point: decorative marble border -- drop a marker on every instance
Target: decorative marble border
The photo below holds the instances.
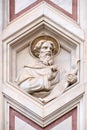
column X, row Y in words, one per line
column 13, row 113
column 73, row 15
column 74, row 9
column 12, row 9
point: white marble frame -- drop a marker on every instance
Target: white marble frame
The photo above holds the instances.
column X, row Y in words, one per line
column 48, row 118
column 41, row 112
column 10, row 89
column 19, row 45
column 11, row 54
column 13, row 33
column 14, row 46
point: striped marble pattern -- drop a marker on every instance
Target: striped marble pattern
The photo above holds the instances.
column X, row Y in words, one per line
column 65, row 4
column 20, row 5
column 64, row 125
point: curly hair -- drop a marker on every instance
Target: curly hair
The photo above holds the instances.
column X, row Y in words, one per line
column 39, row 45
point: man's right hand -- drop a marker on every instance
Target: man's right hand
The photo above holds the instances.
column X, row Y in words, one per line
column 52, row 73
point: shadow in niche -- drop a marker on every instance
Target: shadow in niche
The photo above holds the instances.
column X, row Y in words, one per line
column 41, row 94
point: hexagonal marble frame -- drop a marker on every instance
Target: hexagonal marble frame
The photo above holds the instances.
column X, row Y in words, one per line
column 20, row 100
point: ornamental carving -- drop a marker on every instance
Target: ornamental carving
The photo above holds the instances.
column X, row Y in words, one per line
column 45, row 79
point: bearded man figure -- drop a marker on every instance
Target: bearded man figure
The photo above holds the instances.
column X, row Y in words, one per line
column 43, row 78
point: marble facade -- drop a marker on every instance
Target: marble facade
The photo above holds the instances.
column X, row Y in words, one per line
column 17, row 30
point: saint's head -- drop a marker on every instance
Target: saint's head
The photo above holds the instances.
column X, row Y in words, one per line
column 45, row 49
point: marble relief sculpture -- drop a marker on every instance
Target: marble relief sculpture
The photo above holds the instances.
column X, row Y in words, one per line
column 43, row 78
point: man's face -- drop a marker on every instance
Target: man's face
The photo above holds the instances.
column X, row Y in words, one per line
column 46, row 55
column 46, row 49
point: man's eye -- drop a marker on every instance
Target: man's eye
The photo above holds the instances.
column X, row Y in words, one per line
column 45, row 47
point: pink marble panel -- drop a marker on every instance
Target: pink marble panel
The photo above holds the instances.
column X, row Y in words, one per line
column 13, row 15
column 73, row 15
column 14, row 113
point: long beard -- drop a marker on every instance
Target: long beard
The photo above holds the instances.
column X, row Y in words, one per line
column 46, row 59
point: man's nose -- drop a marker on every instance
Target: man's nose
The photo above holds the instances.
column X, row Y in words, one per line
column 48, row 49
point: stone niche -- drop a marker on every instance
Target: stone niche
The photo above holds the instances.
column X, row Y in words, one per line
column 19, row 53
